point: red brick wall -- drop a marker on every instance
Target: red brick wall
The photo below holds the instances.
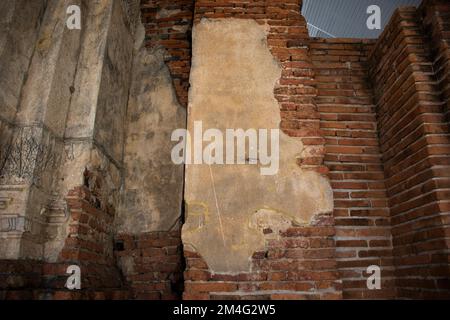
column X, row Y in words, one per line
column 414, row 138
column 89, row 245
column 89, row 242
column 436, row 15
column 374, row 116
column 152, row 264
column 301, row 264
column 348, row 123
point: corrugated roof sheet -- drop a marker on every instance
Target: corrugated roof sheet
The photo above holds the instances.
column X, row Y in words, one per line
column 347, row 18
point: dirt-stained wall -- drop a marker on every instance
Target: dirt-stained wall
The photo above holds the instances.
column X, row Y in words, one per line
column 151, row 197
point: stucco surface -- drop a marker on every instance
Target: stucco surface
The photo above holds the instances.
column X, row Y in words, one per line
column 151, row 198
column 232, row 83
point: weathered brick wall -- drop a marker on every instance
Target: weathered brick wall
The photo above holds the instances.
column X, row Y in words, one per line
column 19, row 279
column 152, row 263
column 89, row 245
column 414, row 139
column 436, row 16
column 35, row 280
column 348, row 123
column 90, row 239
column 358, row 166
column 373, row 116
column 168, row 24
column 301, row 263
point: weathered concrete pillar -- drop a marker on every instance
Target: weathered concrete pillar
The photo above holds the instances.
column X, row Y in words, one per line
column 70, row 119
column 96, row 120
column 19, row 23
column 19, row 26
column 33, row 152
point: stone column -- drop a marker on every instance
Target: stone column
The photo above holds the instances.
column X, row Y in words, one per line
column 96, row 120
column 33, row 152
column 70, row 121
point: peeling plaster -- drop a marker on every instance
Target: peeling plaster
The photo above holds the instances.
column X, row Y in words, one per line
column 232, row 80
column 151, row 198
